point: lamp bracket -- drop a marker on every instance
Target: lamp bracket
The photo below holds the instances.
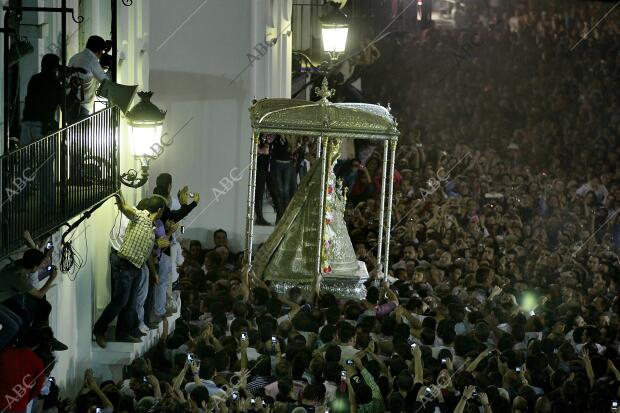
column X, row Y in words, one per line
column 130, row 178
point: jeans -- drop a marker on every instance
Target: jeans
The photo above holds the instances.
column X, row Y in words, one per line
column 125, row 282
column 10, row 323
column 143, row 289
column 41, row 163
column 165, row 278
column 284, row 171
column 148, row 303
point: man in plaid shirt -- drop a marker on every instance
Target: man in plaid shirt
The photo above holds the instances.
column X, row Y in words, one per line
column 136, row 245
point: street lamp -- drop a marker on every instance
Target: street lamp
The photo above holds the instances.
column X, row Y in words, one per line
column 146, row 121
column 334, row 29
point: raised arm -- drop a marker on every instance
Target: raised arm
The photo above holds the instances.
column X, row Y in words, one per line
column 40, row 293
column 125, row 209
column 92, row 385
column 418, row 368
column 585, row 357
column 178, row 380
column 472, row 366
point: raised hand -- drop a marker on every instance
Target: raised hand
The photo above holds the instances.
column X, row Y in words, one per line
column 468, row 392
column 163, row 242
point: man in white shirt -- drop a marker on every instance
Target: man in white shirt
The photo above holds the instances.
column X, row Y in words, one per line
column 594, row 185
column 88, row 59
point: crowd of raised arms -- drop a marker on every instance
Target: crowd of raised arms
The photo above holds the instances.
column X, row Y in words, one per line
column 502, row 291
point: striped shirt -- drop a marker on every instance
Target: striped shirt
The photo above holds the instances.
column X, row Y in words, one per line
column 138, row 240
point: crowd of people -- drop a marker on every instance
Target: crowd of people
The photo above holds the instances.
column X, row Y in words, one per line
column 502, row 288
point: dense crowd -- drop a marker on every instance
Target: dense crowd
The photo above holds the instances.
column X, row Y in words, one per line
column 502, row 289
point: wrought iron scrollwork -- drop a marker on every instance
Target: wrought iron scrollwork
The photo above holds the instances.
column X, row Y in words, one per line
column 79, row 19
column 131, row 179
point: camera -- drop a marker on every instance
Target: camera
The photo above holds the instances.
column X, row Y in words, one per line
column 274, row 340
column 191, row 194
column 235, row 396
column 244, row 336
column 264, row 404
column 49, row 268
column 98, row 410
column 518, row 369
column 253, row 401
column 51, row 379
column 145, row 380
column 182, row 229
column 49, row 245
column 428, row 390
column 343, row 375
column 413, row 345
column 614, row 405
column 190, row 358
column 349, row 362
column 475, row 393
column 443, row 361
column 106, row 61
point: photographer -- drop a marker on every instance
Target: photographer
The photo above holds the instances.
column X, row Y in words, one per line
column 19, row 295
column 44, row 96
column 88, row 59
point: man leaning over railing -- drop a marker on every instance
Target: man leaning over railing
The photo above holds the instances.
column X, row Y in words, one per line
column 136, row 246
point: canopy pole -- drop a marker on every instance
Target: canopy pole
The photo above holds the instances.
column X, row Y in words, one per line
column 249, row 235
column 321, row 227
column 388, row 224
column 382, row 206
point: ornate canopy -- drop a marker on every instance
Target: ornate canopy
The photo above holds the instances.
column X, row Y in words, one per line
column 323, row 118
column 310, row 246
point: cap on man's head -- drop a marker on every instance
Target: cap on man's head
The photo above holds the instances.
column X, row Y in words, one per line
column 31, row 258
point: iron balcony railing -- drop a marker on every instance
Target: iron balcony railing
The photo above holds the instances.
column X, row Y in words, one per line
column 52, row 180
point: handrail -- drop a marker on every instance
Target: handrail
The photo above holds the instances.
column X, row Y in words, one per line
column 3, row 156
column 48, row 182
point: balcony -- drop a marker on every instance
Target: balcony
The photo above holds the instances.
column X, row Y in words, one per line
column 50, row 181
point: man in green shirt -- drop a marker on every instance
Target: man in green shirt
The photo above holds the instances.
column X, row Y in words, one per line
column 135, row 246
column 366, row 396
